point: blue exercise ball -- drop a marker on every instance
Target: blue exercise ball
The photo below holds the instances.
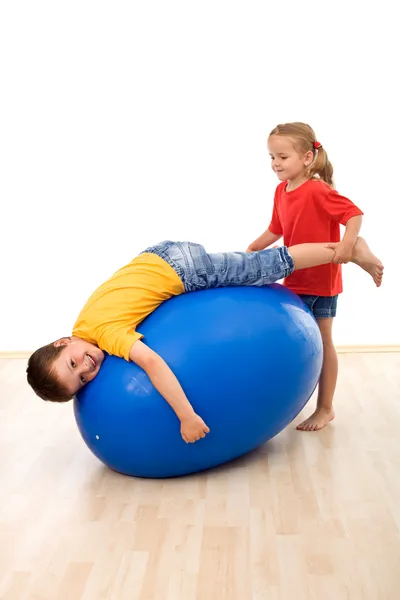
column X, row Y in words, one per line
column 248, row 358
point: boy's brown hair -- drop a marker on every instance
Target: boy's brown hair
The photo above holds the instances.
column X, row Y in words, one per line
column 41, row 377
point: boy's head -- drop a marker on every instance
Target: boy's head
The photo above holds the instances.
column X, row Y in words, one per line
column 59, row 370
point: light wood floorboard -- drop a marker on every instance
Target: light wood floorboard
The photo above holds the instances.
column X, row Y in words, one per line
column 309, row 516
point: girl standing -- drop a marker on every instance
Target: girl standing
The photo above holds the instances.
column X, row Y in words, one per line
column 308, row 209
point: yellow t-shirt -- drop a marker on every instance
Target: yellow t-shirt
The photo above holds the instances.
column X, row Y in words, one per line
column 112, row 313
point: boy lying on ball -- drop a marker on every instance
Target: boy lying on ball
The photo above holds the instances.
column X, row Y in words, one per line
column 108, row 322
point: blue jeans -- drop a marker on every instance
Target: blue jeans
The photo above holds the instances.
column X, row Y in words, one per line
column 322, row 307
column 199, row 270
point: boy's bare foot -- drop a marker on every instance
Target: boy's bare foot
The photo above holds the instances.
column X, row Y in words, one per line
column 318, row 420
column 363, row 257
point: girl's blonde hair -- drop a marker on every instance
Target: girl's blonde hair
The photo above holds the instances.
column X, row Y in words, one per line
column 305, row 141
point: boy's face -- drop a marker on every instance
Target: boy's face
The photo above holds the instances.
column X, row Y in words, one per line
column 77, row 364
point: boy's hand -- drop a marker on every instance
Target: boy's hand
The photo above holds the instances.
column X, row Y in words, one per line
column 343, row 252
column 193, row 428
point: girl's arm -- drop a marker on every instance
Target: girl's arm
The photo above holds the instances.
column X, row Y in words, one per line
column 266, row 239
column 344, row 250
column 353, row 227
column 344, row 211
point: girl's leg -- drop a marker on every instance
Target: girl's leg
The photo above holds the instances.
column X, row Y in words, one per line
column 324, row 412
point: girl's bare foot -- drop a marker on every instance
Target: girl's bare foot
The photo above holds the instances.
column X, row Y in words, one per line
column 318, row 420
column 363, row 257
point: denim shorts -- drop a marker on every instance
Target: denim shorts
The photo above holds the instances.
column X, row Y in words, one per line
column 200, row 270
column 322, row 307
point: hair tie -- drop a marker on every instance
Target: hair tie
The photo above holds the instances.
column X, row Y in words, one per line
column 317, row 145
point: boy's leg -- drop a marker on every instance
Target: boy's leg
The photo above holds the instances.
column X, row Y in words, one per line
column 324, row 413
column 204, row 270
column 312, row 255
column 200, row 270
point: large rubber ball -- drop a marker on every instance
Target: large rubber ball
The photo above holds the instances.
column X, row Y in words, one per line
column 248, row 359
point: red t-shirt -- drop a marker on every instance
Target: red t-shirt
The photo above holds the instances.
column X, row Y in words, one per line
column 312, row 212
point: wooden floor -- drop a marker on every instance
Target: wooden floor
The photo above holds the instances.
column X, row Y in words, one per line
column 308, row 516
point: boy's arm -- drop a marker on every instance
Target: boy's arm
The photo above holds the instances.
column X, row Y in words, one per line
column 266, row 239
column 192, row 426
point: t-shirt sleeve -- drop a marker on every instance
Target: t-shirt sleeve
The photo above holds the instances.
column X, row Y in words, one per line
column 119, row 342
column 338, row 207
column 275, row 225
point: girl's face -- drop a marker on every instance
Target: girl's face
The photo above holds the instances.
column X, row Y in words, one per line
column 286, row 161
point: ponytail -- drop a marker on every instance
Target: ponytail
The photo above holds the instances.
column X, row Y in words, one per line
column 321, row 167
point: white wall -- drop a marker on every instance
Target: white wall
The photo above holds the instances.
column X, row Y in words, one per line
column 125, row 123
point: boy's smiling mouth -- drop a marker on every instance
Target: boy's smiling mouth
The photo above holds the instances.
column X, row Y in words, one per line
column 92, row 361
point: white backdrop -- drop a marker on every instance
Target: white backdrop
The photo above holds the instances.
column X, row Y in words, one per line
column 125, row 123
